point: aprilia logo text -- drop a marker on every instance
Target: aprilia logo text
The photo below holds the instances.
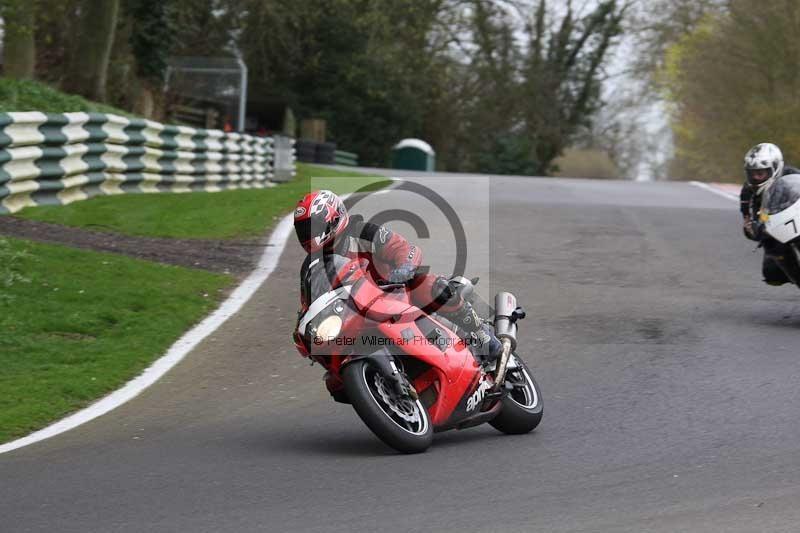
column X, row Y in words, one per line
column 477, row 396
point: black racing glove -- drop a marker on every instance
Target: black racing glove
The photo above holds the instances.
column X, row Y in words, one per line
column 753, row 230
column 747, row 229
column 402, row 274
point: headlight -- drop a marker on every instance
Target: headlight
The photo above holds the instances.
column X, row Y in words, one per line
column 329, row 328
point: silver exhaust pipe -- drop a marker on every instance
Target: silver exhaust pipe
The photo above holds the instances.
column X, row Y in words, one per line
column 505, row 328
column 502, row 366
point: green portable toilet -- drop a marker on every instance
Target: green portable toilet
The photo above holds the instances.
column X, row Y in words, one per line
column 413, row 154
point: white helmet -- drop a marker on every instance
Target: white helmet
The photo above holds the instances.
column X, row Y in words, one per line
column 761, row 157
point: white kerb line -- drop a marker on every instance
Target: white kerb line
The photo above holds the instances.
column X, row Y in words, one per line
column 181, row 347
column 179, row 350
column 718, row 192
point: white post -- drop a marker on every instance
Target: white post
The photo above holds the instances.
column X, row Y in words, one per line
column 242, row 93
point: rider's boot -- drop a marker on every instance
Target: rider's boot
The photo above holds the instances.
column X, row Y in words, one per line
column 485, row 344
column 452, row 306
column 772, row 271
column 489, row 347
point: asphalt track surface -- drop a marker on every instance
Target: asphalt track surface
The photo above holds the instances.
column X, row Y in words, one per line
column 670, row 378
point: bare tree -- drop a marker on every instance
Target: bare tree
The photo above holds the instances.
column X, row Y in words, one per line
column 633, row 125
column 563, row 73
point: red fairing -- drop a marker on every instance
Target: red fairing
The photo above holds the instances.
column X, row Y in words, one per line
column 298, row 343
column 455, row 370
column 452, row 371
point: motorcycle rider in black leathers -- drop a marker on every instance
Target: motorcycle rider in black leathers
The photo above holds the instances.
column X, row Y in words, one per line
column 763, row 164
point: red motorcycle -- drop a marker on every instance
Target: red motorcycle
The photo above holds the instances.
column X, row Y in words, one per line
column 408, row 373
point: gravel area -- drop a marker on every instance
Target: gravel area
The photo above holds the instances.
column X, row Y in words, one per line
column 236, row 257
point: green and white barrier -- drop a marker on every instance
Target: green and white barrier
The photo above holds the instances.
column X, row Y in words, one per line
column 61, row 158
column 345, row 158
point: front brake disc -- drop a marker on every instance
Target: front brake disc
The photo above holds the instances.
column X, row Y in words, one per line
column 409, row 414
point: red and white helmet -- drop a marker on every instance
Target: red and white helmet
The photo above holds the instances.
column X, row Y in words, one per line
column 319, row 218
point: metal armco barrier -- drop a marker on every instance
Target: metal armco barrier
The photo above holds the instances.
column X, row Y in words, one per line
column 62, row 158
column 283, row 167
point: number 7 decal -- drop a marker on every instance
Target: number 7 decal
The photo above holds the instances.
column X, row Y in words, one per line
column 794, row 226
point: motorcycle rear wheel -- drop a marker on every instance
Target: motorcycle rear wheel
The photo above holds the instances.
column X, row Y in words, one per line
column 401, row 422
column 522, row 407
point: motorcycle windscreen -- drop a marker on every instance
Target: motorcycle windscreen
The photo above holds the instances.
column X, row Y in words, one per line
column 780, row 210
column 379, row 305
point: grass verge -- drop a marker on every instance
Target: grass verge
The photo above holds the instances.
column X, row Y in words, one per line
column 75, row 325
column 29, row 95
column 221, row 215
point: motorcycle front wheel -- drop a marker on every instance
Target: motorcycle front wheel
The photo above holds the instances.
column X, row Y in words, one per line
column 522, row 407
column 400, row 421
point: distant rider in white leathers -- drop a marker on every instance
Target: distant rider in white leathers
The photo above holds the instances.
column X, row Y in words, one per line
column 763, row 164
